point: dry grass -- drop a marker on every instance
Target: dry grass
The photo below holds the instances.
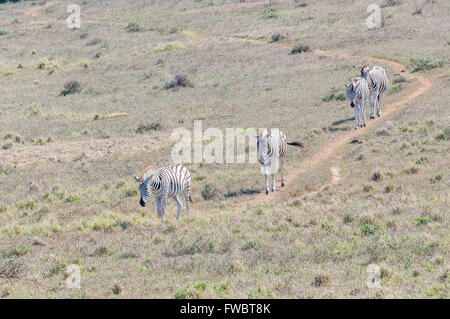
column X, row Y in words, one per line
column 73, row 199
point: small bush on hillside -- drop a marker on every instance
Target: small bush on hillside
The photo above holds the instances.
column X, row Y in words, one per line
column 377, row 176
column 399, row 79
column 390, row 3
column 270, row 12
column 71, row 87
column 426, row 62
column 181, row 79
column 275, row 37
column 321, row 280
column 146, row 127
column 299, row 48
column 133, row 27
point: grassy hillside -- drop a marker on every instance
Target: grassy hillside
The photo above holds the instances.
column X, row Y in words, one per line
column 68, row 153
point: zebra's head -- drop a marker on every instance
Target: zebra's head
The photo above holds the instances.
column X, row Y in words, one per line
column 351, row 94
column 261, row 143
column 144, row 181
column 364, row 70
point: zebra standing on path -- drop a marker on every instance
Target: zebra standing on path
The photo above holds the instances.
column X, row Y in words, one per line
column 272, row 147
column 358, row 94
column 378, row 84
column 163, row 183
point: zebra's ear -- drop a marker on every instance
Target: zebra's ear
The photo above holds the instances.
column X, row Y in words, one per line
column 137, row 179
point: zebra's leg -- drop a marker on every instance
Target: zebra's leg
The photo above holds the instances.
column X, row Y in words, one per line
column 356, row 110
column 266, row 177
column 363, row 113
column 380, row 102
column 188, row 204
column 373, row 103
column 163, row 206
column 180, row 206
column 281, row 171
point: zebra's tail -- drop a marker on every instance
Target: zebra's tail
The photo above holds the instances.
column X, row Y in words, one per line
column 191, row 200
column 298, row 144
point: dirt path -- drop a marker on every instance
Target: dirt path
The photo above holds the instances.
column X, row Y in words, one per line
column 331, row 150
column 35, row 10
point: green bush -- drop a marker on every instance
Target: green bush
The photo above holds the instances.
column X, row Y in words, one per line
column 426, row 62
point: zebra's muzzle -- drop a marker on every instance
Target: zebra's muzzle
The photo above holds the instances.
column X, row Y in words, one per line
column 352, row 104
column 142, row 203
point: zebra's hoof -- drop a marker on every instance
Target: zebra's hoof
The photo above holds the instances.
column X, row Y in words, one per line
column 356, row 128
column 378, row 115
column 365, row 125
column 267, row 192
column 282, row 184
column 372, row 117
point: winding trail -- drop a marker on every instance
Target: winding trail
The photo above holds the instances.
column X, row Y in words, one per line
column 331, row 150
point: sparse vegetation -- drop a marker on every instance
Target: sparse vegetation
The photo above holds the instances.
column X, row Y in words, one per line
column 426, row 62
column 72, row 199
column 71, row 87
column 300, row 48
column 148, row 127
column 181, row 80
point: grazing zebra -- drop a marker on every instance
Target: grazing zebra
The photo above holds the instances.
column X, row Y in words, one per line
column 358, row 94
column 165, row 182
column 378, row 84
column 272, row 147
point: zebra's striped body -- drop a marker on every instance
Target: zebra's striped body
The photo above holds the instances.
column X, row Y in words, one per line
column 358, row 94
column 272, row 146
column 164, row 183
column 377, row 82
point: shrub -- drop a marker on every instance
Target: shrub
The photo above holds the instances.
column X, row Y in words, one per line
column 71, row 87
column 299, row 48
column 116, row 289
column 275, row 37
column 181, row 79
column 7, row 146
column 334, row 96
column 377, row 176
column 426, row 62
column 133, row 27
column 444, row 136
column 209, row 191
column 270, row 12
column 367, row 230
column 146, row 127
column 10, row 269
column 321, row 280
column 390, row 3
column 399, row 79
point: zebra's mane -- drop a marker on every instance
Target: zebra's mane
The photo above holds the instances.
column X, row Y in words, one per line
column 263, row 131
column 146, row 172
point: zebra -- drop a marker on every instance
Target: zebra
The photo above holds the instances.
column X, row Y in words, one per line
column 165, row 182
column 358, row 94
column 378, row 84
column 272, row 147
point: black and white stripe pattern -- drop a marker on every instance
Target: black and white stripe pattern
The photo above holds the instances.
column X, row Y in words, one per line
column 358, row 94
column 377, row 82
column 164, row 183
column 272, row 146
